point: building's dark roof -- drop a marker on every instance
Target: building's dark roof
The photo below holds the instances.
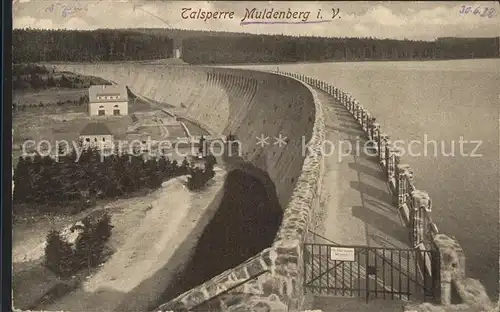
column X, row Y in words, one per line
column 96, row 128
column 106, row 90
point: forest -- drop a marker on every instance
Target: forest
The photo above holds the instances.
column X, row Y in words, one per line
column 70, row 176
column 36, row 77
column 108, row 177
column 207, row 47
column 87, row 46
column 277, row 49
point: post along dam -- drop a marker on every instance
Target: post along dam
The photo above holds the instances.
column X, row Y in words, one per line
column 311, row 249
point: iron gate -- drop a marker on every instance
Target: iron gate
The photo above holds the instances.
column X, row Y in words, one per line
column 371, row 272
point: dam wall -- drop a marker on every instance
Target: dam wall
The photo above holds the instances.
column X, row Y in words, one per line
column 247, row 104
column 415, row 208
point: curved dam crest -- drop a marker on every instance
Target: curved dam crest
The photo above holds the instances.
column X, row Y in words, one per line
column 247, row 104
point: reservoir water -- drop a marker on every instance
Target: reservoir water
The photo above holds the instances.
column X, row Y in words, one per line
column 443, row 102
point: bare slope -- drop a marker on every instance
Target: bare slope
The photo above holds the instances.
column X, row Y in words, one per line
column 246, row 103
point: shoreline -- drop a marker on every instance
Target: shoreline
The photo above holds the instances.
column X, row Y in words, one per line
column 181, row 62
column 337, row 61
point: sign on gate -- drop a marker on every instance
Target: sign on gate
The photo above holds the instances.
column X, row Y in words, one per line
column 342, row 254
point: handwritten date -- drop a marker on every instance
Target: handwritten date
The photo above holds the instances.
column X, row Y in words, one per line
column 69, row 8
column 482, row 12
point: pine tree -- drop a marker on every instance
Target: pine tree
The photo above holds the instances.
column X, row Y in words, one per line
column 50, row 81
column 103, row 228
column 59, row 256
column 91, row 242
column 22, row 180
column 151, row 170
column 196, row 180
column 209, row 167
column 184, row 167
column 174, row 168
column 85, row 245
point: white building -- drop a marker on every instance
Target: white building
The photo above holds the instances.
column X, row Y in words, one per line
column 177, row 53
column 108, row 100
column 96, row 135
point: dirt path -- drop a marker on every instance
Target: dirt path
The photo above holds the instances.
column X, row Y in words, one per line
column 143, row 249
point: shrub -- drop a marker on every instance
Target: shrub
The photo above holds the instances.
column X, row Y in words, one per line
column 209, row 167
column 196, row 180
column 183, row 168
column 61, row 259
column 103, row 228
column 198, row 177
column 84, row 245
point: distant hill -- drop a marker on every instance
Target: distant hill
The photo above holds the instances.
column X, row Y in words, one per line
column 215, row 47
column 38, row 45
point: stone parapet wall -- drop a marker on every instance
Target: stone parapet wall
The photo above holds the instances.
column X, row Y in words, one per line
column 415, row 208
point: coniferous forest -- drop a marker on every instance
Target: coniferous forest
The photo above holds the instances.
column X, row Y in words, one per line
column 206, row 47
column 87, row 46
column 72, row 179
column 76, row 179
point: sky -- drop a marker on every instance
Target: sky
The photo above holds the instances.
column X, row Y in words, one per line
column 419, row 20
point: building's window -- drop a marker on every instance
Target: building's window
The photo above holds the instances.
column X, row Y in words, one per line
column 102, row 112
column 95, row 139
column 87, row 139
column 116, row 112
column 104, row 139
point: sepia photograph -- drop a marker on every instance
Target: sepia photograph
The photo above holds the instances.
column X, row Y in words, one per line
column 251, row 156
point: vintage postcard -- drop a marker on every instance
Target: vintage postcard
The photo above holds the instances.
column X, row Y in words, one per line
column 255, row 156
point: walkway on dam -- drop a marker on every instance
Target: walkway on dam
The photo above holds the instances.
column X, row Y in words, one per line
column 355, row 204
column 355, row 198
